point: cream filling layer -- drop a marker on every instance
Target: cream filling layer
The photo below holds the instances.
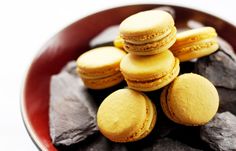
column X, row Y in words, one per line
column 155, row 44
column 183, row 39
column 164, row 105
column 147, row 37
column 106, row 82
column 96, row 74
column 191, row 47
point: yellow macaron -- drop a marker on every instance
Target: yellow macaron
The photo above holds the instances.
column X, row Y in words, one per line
column 190, row 100
column 148, row 73
column 195, row 43
column 126, row 115
column 148, row 32
column 99, row 68
column 118, row 42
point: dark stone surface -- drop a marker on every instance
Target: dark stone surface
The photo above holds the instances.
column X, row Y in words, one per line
column 168, row 144
column 96, row 142
column 220, row 133
column 227, row 100
column 219, row 68
column 189, row 135
column 165, row 126
column 72, row 115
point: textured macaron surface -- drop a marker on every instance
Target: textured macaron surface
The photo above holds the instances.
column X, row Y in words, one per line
column 100, row 59
column 147, row 67
column 192, row 99
column 122, row 115
column 146, row 24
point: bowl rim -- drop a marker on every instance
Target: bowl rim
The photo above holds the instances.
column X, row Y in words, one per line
column 26, row 121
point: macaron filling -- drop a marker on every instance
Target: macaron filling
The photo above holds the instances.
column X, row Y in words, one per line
column 196, row 46
column 155, row 36
column 104, row 82
column 150, row 120
column 99, row 73
column 172, row 114
column 151, row 47
column 182, row 40
column 165, row 106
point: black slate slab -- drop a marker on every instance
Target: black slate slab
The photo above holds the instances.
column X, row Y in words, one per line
column 168, row 144
column 227, row 100
column 219, row 68
column 71, row 120
column 220, row 133
column 73, row 107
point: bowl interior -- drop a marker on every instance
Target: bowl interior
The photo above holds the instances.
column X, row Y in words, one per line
column 71, row 42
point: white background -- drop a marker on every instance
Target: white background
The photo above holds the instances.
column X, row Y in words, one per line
column 25, row 25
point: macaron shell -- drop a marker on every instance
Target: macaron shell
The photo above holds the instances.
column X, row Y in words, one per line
column 152, row 47
column 195, row 43
column 155, row 83
column 147, row 67
column 102, row 83
column 193, row 99
column 143, row 25
column 150, row 120
column 197, row 50
column 95, row 62
column 194, row 35
column 164, row 105
column 122, row 114
column 148, row 124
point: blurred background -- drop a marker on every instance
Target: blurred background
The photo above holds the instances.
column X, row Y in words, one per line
column 26, row 25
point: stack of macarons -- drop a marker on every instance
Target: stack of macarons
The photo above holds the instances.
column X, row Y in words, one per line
column 99, row 68
column 147, row 36
column 148, row 32
column 152, row 62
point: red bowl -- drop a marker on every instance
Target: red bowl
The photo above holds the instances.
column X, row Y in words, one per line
column 69, row 43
